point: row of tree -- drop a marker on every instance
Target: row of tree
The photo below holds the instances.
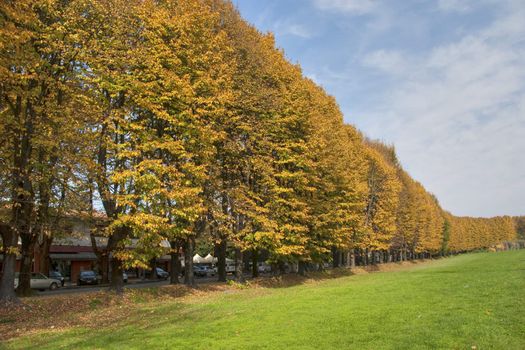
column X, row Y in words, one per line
column 178, row 120
column 468, row 234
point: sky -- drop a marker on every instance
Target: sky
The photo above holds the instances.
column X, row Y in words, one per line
column 441, row 80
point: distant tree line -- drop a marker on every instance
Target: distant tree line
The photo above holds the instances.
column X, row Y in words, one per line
column 180, row 121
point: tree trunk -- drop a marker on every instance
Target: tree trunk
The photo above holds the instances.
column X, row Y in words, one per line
column 352, row 258
column 335, row 258
column 117, row 281
column 102, row 262
column 189, row 278
column 175, row 265
column 104, row 266
column 255, row 261
column 153, row 271
column 44, row 262
column 239, row 276
column 7, row 275
column 282, row 268
column 26, row 264
column 301, row 270
column 220, row 249
column 22, row 212
column 275, row 269
column 22, row 194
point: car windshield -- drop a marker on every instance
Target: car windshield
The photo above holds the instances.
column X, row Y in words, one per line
column 88, row 273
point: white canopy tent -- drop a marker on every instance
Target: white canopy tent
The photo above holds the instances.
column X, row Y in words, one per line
column 197, row 259
column 209, row 259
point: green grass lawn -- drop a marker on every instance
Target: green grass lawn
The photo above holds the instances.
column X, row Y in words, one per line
column 475, row 300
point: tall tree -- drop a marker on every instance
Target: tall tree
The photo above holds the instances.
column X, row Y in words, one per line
column 382, row 203
column 42, row 109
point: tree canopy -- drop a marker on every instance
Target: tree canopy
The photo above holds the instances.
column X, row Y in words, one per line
column 178, row 120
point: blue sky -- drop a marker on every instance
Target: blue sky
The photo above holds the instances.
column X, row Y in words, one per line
column 443, row 80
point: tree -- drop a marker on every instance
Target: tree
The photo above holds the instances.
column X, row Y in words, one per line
column 520, row 226
column 40, row 89
column 381, row 206
column 160, row 124
column 339, row 165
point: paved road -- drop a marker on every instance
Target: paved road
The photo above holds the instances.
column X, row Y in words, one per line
column 133, row 284
column 92, row 289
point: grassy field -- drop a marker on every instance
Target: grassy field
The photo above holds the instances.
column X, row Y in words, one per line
column 474, row 301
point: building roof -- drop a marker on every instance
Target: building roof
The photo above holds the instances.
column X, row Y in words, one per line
column 83, row 256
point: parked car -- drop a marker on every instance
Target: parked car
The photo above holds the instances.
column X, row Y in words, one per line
column 230, row 267
column 161, row 273
column 41, row 282
column 203, row 271
column 58, row 276
column 264, row 267
column 199, row 271
column 87, row 277
column 210, row 271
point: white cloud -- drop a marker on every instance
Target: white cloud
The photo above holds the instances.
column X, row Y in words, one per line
column 357, row 7
column 294, row 29
column 299, row 31
column 454, row 5
column 457, row 116
column 389, row 61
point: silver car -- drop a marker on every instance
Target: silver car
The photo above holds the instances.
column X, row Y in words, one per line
column 41, row 282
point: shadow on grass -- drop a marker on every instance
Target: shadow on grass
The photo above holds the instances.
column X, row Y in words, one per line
column 106, row 324
column 51, row 313
column 294, row 279
column 104, row 309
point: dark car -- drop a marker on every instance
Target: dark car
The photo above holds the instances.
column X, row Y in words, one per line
column 162, row 274
column 203, row 271
column 58, row 276
column 87, row 277
column 199, row 271
column 210, row 271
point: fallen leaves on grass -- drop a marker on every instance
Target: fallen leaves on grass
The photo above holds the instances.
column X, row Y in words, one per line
column 89, row 309
column 105, row 308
